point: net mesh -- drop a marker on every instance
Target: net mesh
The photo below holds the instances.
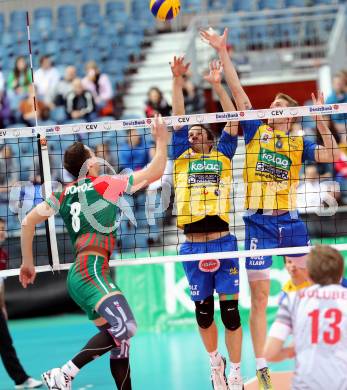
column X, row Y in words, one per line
column 147, row 231
column 78, row 32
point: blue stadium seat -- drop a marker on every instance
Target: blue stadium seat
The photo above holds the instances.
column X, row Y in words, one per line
column 191, row 6
column 8, row 39
column 295, row 3
column 4, row 209
column 45, row 28
column 18, row 16
column 218, row 5
column 269, row 4
column 90, row 10
column 67, row 16
column 119, row 16
column 43, row 13
column 52, row 47
column 58, row 115
column 243, row 6
column 2, row 23
column 114, row 7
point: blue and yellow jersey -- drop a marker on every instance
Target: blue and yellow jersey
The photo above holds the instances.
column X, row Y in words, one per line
column 290, row 287
column 202, row 181
column 272, row 166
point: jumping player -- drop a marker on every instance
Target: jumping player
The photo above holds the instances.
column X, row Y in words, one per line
column 89, row 209
column 317, row 318
column 274, row 158
column 202, row 178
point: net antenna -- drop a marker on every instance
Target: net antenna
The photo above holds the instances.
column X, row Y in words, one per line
column 45, row 173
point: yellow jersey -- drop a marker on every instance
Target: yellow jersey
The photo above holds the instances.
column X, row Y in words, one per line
column 202, row 181
column 290, row 286
column 272, row 166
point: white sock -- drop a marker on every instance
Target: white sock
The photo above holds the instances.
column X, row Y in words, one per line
column 235, row 369
column 70, row 369
column 214, row 357
column 260, row 363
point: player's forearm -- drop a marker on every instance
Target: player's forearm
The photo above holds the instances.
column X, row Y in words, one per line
column 330, row 151
column 223, row 97
column 177, row 96
column 27, row 236
column 227, row 105
column 233, row 81
column 158, row 163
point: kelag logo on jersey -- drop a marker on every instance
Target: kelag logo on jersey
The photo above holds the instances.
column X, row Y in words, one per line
column 275, row 164
column 204, row 171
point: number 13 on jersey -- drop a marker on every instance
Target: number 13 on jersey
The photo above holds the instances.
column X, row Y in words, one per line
column 331, row 318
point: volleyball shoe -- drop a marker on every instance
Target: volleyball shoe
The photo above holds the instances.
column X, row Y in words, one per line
column 218, row 377
column 56, row 379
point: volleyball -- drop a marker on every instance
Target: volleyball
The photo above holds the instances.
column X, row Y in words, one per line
column 165, row 9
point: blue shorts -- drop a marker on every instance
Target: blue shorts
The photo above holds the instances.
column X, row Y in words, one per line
column 205, row 276
column 272, row 231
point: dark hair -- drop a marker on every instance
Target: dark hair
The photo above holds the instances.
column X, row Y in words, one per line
column 159, row 92
column 17, row 72
column 2, row 220
column 325, row 265
column 209, row 131
column 74, row 157
column 44, row 57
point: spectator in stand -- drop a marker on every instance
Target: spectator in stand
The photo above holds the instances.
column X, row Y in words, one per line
column 27, row 109
column 339, row 95
column 135, row 154
column 100, row 86
column 156, row 103
column 5, row 110
column 18, row 82
column 79, row 102
column 193, row 96
column 46, row 79
column 103, row 151
column 9, row 170
column 7, row 352
column 64, row 86
column 315, row 192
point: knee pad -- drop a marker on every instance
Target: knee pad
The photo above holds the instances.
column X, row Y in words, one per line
column 117, row 313
column 204, row 312
column 121, row 351
column 229, row 311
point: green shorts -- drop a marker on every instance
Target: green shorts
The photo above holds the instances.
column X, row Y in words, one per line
column 89, row 280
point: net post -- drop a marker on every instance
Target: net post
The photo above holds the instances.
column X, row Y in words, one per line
column 46, row 183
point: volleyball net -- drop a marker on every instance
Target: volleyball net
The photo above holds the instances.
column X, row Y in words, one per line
column 146, row 231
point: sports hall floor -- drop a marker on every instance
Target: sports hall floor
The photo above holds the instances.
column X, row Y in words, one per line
column 170, row 361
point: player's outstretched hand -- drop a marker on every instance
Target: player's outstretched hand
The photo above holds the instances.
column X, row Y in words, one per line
column 216, row 71
column 160, row 132
column 178, row 67
column 319, row 100
column 27, row 275
column 210, row 36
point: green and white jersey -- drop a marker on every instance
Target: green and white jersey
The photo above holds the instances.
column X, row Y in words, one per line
column 89, row 208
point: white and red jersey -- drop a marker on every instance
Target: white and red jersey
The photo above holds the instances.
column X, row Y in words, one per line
column 317, row 318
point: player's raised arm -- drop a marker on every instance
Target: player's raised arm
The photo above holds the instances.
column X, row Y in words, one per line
column 329, row 151
column 156, row 167
column 219, row 43
column 36, row 216
column 178, row 69
column 215, row 79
